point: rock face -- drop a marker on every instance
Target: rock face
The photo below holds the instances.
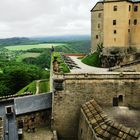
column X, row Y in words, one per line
column 113, row 59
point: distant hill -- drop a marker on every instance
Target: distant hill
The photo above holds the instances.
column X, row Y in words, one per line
column 16, row 41
column 67, row 38
column 38, row 40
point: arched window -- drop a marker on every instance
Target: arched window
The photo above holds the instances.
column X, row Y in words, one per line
column 120, row 98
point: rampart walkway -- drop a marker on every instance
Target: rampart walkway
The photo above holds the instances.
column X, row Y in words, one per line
column 85, row 68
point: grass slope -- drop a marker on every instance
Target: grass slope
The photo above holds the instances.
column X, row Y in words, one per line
column 28, row 47
column 92, row 60
column 29, row 88
column 44, row 86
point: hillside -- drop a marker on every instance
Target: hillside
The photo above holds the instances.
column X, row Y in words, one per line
column 66, row 38
column 23, row 60
column 16, row 41
column 40, row 40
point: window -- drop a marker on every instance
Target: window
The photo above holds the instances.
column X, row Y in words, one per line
column 115, row 31
column 135, row 8
column 115, row 8
column 114, row 39
column 120, row 98
column 128, row 30
column 99, row 15
column 129, row 7
column 99, row 25
column 115, row 101
column 81, row 131
column 114, row 22
column 129, row 21
column 96, row 36
column 135, row 22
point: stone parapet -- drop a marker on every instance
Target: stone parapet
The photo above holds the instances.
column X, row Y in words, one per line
column 80, row 88
column 103, row 75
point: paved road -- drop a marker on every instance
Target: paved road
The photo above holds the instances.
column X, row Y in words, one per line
column 85, row 68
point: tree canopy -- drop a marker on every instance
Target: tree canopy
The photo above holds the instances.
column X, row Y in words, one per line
column 17, row 75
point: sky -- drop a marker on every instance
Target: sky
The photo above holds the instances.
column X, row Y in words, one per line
column 26, row 18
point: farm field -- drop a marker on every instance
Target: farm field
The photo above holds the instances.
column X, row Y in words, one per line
column 28, row 47
column 26, row 55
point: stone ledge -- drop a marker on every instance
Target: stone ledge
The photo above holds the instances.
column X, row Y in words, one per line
column 105, row 75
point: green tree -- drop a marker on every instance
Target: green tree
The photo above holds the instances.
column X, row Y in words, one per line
column 4, row 90
column 18, row 76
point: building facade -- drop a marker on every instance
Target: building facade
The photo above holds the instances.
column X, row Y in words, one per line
column 116, row 24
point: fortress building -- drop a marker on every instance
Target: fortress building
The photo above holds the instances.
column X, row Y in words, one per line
column 116, row 24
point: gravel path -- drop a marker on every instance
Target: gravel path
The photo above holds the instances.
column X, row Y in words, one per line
column 85, row 68
column 37, row 86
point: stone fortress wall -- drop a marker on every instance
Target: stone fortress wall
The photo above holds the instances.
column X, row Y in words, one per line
column 71, row 91
column 34, row 120
column 1, row 128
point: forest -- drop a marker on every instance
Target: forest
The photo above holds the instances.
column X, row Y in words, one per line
column 18, row 68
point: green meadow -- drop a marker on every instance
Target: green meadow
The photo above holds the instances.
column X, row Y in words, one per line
column 28, row 47
column 26, row 55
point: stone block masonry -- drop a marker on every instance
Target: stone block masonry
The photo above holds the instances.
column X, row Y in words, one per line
column 1, row 128
column 80, row 88
column 34, row 120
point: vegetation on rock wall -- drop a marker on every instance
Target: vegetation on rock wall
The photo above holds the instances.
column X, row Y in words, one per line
column 62, row 66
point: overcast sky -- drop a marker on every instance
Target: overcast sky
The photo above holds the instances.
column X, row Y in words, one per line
column 44, row 17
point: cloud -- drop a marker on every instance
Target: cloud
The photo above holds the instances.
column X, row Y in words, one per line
column 44, row 17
